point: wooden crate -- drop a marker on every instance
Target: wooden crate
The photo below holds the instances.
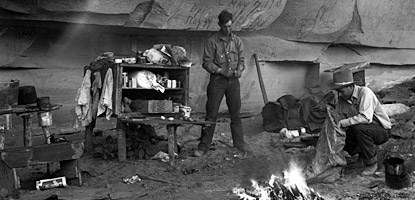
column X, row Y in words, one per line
column 152, row 106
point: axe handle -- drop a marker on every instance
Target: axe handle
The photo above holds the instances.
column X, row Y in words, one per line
column 261, row 81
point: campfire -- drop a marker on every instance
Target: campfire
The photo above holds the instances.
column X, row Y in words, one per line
column 292, row 186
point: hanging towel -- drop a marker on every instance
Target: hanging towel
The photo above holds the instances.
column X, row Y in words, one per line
column 105, row 101
column 83, row 98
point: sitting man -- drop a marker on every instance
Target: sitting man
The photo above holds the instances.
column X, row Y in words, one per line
column 363, row 118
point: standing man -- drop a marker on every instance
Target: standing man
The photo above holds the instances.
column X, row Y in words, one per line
column 362, row 116
column 223, row 59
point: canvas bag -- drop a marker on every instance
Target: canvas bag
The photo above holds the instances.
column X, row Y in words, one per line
column 329, row 148
column 284, row 113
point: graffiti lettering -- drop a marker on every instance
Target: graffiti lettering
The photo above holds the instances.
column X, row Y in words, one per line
column 195, row 18
column 203, row 17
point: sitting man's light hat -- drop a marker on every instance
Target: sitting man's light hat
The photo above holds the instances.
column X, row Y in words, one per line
column 342, row 78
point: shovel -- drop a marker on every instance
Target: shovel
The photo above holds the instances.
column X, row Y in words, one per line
column 261, row 81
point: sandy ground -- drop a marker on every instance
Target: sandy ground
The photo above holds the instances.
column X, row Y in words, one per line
column 212, row 176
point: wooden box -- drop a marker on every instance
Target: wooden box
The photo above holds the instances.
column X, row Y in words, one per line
column 152, row 106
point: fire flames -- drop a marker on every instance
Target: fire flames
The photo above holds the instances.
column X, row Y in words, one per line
column 292, row 187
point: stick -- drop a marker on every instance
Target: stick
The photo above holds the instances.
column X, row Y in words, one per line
column 160, row 180
column 261, row 82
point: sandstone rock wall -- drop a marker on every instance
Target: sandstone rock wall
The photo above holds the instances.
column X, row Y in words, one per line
column 47, row 43
column 157, row 14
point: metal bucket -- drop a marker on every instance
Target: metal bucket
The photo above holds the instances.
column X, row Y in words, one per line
column 396, row 176
column 9, row 93
column 394, row 166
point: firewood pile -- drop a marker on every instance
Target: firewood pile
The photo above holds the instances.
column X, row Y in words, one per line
column 142, row 143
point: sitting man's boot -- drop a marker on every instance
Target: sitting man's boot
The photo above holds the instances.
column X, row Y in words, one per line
column 370, row 169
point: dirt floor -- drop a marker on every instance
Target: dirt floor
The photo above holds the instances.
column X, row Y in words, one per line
column 212, row 176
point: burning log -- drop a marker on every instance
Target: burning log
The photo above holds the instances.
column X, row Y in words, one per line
column 292, row 187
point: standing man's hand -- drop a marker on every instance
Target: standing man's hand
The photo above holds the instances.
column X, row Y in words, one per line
column 238, row 73
column 223, row 72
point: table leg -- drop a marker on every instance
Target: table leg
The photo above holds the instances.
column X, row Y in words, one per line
column 2, row 139
column 121, row 140
column 89, row 132
column 172, row 140
column 9, row 181
column 27, row 129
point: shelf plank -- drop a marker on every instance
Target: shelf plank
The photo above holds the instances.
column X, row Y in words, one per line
column 128, row 88
column 40, row 154
column 154, row 66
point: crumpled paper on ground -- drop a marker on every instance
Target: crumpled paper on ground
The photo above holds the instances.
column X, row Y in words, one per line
column 131, row 180
column 164, row 157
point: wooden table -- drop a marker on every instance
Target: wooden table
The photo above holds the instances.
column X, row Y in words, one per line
column 26, row 112
column 66, row 153
column 122, row 124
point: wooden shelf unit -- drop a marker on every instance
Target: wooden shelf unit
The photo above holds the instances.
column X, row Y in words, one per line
column 177, row 95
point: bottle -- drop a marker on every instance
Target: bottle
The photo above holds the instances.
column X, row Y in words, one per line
column 138, row 55
column 125, row 79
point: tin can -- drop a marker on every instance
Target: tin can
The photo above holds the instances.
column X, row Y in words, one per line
column 169, row 84
column 51, row 183
column 176, row 107
column 45, row 118
column 133, row 83
column 173, row 84
column 185, row 111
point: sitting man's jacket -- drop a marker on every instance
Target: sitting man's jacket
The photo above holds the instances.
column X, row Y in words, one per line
column 363, row 108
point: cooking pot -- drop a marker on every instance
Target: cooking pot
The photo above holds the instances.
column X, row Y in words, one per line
column 310, row 140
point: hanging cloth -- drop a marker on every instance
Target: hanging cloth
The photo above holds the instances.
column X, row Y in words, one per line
column 105, row 101
column 83, row 98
